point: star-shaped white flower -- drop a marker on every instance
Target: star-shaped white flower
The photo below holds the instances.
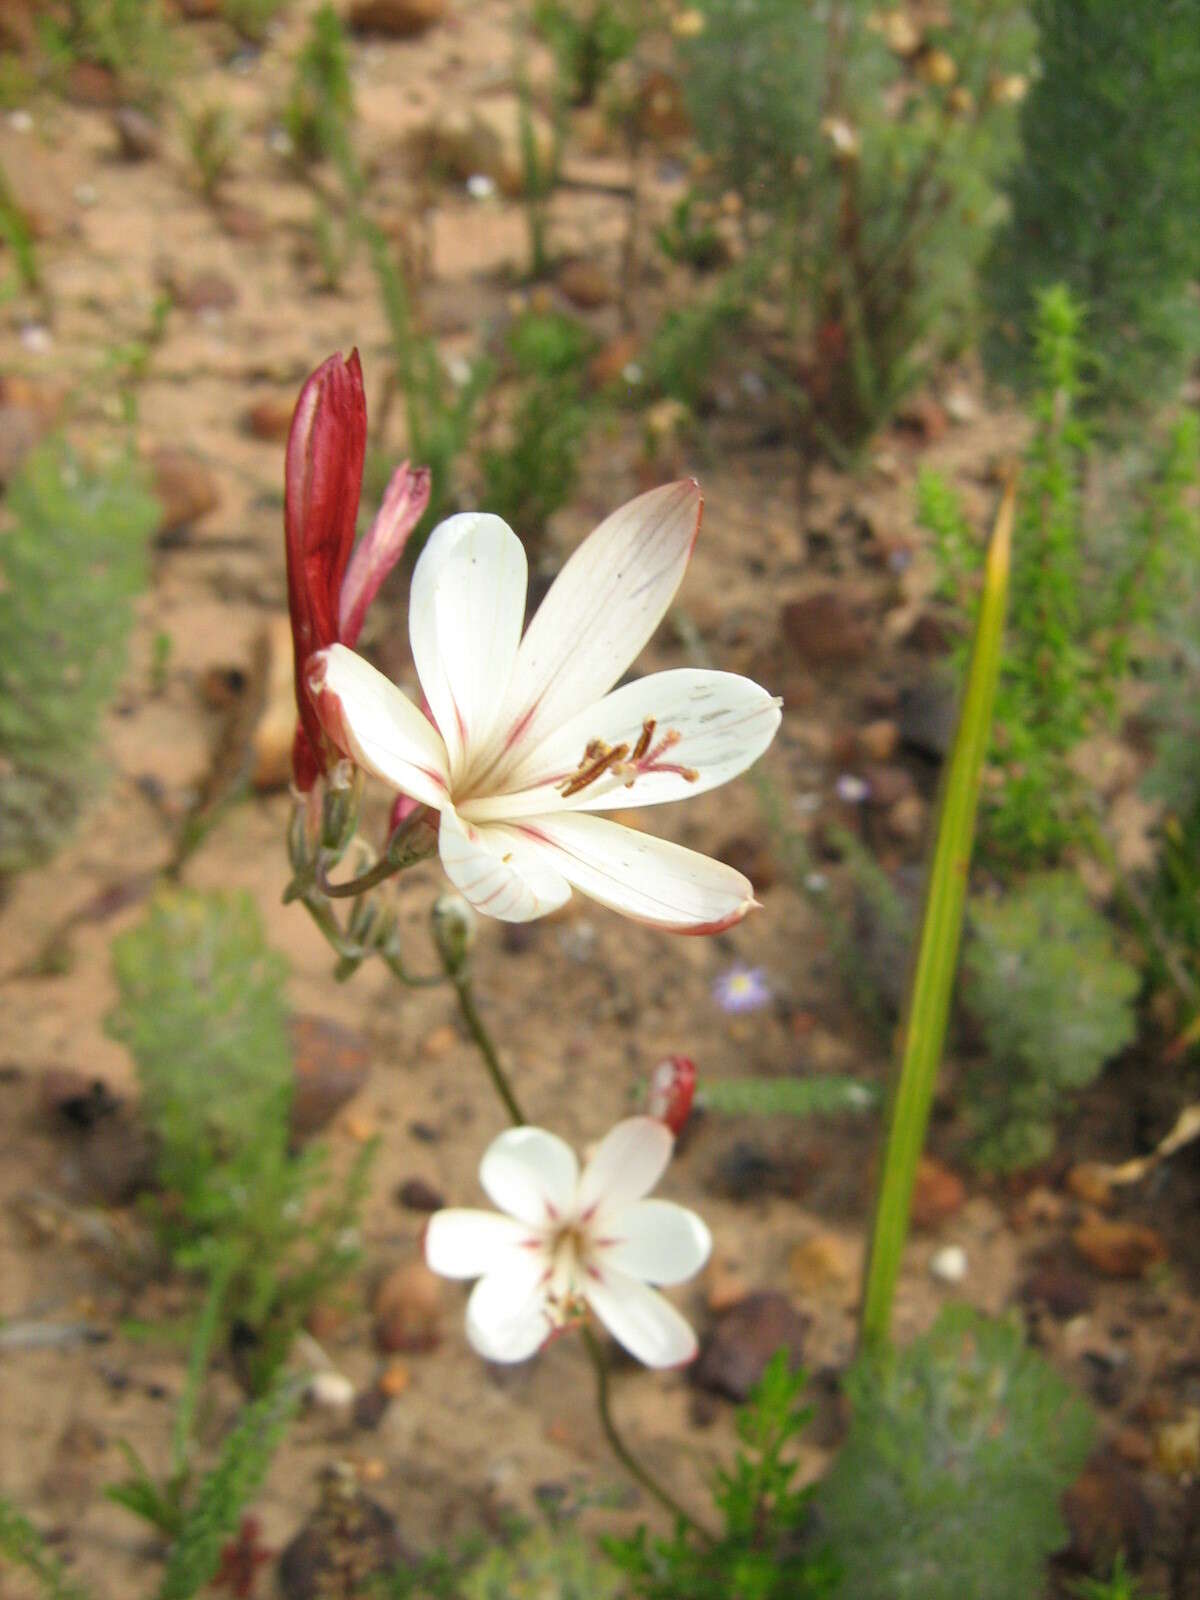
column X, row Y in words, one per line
column 568, row 1241
column 526, row 740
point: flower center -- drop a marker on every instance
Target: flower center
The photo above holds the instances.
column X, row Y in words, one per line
column 565, row 1301
column 621, row 765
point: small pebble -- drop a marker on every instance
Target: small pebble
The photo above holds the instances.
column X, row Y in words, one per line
column 480, row 186
column 331, row 1391
column 949, row 1264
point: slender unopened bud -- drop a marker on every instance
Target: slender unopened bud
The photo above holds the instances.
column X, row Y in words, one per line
column 672, row 1086
column 454, row 925
column 339, row 815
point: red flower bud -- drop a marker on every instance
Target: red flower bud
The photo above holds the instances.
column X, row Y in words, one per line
column 322, row 483
column 403, row 506
column 672, row 1085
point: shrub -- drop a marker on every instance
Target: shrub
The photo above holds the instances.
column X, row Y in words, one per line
column 949, row 1481
column 70, row 565
column 1054, row 1001
column 1107, row 196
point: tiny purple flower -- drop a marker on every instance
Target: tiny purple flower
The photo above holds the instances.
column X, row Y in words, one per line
column 851, row 789
column 742, row 989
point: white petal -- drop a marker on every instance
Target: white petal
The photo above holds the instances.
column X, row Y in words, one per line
column 724, row 723
column 648, row 879
column 600, row 611
column 379, row 725
column 501, row 873
column 507, row 1318
column 464, row 622
column 639, row 1318
column 468, row 1244
column 625, row 1165
column 655, row 1240
column 531, row 1174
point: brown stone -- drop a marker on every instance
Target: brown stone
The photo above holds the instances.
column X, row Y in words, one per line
column 879, row 740
column 415, row 1194
column 824, row 629
column 396, row 19
column 937, row 1194
column 270, row 418
column 92, row 85
column 204, row 291
column 586, row 284
column 610, row 361
column 17, row 26
column 330, row 1064
column 1060, row 1288
column 1118, row 1249
column 1088, row 1182
column 139, row 137
column 408, row 1309
column 661, row 108
column 185, row 485
column 735, row 1354
column 905, row 821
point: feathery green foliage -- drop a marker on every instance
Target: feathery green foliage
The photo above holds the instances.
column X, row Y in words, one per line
column 552, row 1561
column 949, row 1481
column 201, row 1010
column 760, row 1552
column 131, row 38
column 1054, row 1001
column 320, row 104
column 1107, row 196
column 70, row 565
column 21, row 1545
column 223, row 1494
column 588, row 38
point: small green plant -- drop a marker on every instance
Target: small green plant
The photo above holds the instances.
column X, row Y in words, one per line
column 212, row 141
column 1121, row 226
column 129, row 38
column 201, row 1010
column 690, row 236
column 17, row 236
column 764, row 1548
column 1119, row 1585
column 1054, row 1001
column 320, row 104
column 1102, row 549
column 526, row 482
column 71, row 562
column 21, row 1545
column 588, row 38
column 552, row 1560
column 949, row 1481
column 252, row 19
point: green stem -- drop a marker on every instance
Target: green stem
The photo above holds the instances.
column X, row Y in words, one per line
column 621, row 1450
column 460, row 977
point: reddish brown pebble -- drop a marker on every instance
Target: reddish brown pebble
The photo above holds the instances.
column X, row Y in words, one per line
column 1118, row 1249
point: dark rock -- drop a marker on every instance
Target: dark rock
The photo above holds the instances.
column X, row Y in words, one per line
column 746, row 1170
column 735, row 1354
column 397, row 19
column 929, row 717
column 139, row 137
column 349, row 1541
column 415, row 1194
column 408, row 1309
column 825, row 629
column 1063, row 1291
column 117, row 1158
column 1107, row 1512
column 331, row 1066
column 1118, row 1249
column 270, row 418
column 369, row 1408
column 76, row 1097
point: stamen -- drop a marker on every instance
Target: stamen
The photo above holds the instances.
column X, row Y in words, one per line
column 626, row 765
column 597, row 759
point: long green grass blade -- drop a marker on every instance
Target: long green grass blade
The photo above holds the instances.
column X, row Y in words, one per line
column 924, row 1029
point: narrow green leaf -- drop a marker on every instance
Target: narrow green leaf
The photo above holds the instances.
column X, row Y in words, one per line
column 924, row 1029
column 788, row 1097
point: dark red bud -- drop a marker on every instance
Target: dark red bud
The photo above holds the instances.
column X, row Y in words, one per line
column 672, row 1086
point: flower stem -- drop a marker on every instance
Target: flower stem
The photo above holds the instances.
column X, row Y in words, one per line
column 460, row 977
column 621, row 1450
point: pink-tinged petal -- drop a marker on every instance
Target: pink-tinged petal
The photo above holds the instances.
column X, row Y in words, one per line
column 531, row 1175
column 502, row 874
column 638, row 1318
column 468, row 1244
column 377, row 726
column 648, row 879
column 464, row 624
column 600, row 611
column 707, row 728
column 403, row 506
column 624, row 1166
column 507, row 1319
column 655, row 1240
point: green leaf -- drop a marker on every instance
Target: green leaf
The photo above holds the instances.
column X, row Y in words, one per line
column 924, row 1029
column 788, row 1097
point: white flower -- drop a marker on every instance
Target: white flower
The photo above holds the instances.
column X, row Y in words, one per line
column 568, row 1241
column 526, row 742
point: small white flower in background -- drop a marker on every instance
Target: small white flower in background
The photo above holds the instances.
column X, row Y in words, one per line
column 564, row 1242
column 526, row 737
